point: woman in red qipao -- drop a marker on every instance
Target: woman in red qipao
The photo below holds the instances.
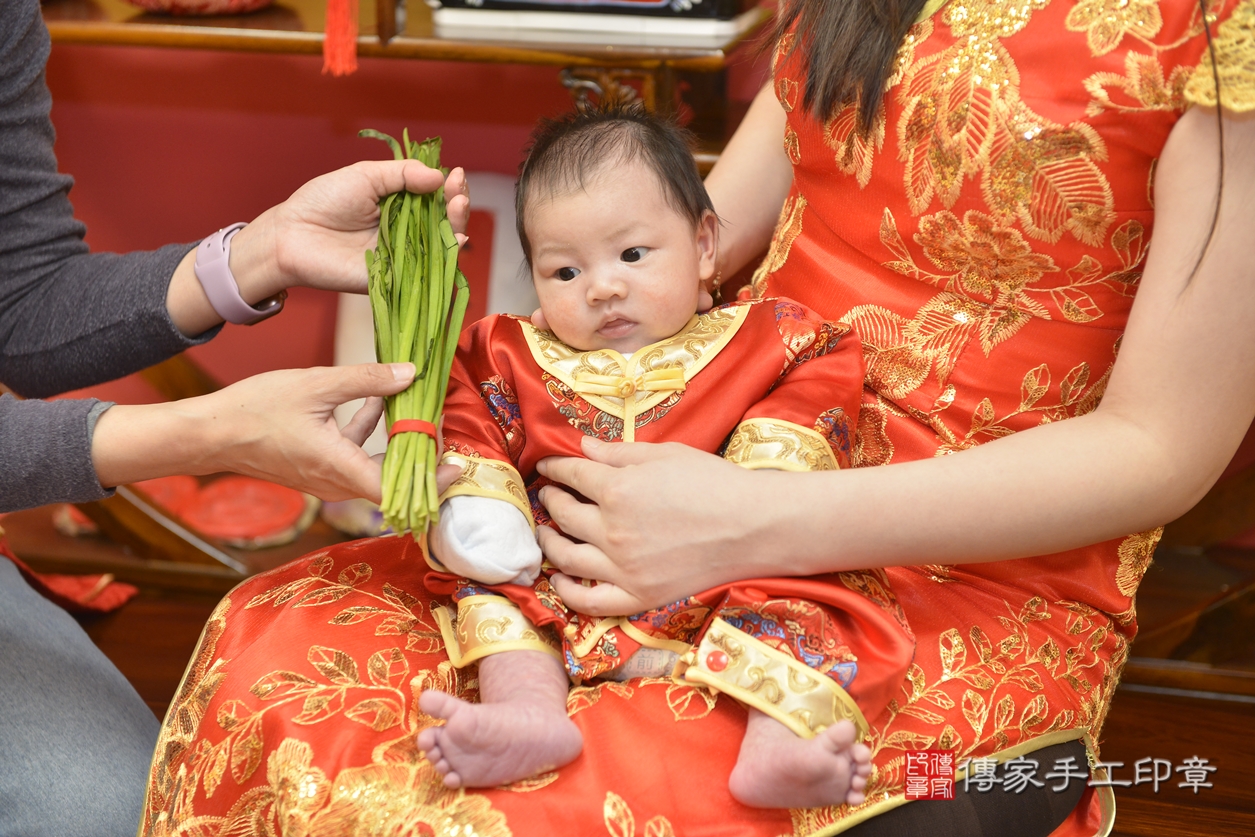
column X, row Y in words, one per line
column 985, row 226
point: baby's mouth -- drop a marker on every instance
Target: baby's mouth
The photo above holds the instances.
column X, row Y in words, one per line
column 615, row 327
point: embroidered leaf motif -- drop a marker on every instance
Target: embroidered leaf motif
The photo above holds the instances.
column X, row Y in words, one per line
column 983, row 646
column 950, row 739
column 232, row 712
column 918, row 683
column 535, row 783
column 1025, row 678
column 685, row 705
column 395, row 625
column 279, row 684
column 1034, row 714
column 320, row 564
column 323, row 595
column 353, row 615
column 219, row 758
column 953, row 653
column 975, row 710
column 377, row 713
column 246, row 755
column 1004, row 713
column 659, row 826
column 1036, row 383
column 906, row 740
column 320, row 707
column 399, row 597
column 618, row 816
column 355, row 575
column 388, row 668
column 336, row 666
column 923, row 714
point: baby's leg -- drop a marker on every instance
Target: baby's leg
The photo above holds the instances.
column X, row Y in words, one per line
column 777, row 769
column 518, row 729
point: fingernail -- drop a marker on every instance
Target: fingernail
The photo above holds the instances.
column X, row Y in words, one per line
column 541, row 494
column 402, row 371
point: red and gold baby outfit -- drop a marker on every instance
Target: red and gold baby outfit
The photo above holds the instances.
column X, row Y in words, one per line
column 766, row 384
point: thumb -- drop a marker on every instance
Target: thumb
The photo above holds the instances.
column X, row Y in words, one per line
column 619, row 454
column 344, row 383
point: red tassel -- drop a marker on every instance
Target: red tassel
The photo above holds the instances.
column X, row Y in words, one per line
column 339, row 45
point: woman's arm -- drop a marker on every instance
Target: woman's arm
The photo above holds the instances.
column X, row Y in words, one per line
column 277, row 426
column 750, row 182
column 1180, row 399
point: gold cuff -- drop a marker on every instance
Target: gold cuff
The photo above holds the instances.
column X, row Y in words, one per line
column 489, row 625
column 779, row 444
column 488, row 478
column 731, row 661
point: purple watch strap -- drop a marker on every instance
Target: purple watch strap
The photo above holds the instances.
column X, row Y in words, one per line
column 214, row 272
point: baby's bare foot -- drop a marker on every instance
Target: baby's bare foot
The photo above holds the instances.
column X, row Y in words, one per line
column 521, row 729
column 777, row 769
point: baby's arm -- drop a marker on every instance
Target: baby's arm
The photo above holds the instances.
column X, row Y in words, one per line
column 808, row 419
column 485, row 539
column 485, row 531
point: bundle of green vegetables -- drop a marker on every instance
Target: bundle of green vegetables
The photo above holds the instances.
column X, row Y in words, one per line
column 418, row 298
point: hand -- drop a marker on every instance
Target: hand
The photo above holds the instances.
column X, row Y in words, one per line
column 650, row 536
column 316, row 238
column 276, row 426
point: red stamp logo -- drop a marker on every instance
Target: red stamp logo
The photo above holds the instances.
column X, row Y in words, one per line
column 930, row 774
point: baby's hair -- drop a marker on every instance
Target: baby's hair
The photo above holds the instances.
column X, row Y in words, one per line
column 565, row 152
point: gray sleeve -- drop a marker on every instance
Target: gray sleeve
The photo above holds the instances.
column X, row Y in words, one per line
column 46, row 452
column 68, row 318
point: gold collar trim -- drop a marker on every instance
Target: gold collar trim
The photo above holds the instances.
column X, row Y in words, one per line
column 627, row 387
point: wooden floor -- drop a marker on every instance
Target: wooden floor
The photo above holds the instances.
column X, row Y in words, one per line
column 1188, row 691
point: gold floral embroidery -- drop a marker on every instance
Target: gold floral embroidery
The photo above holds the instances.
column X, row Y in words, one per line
column 1106, row 22
column 962, row 117
column 620, row 822
column 989, row 279
column 788, row 228
column 1076, row 398
column 1136, row 553
column 1235, row 64
column 1143, row 83
column 399, row 792
column 872, row 445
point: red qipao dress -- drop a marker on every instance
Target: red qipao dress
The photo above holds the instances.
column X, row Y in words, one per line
column 985, row 241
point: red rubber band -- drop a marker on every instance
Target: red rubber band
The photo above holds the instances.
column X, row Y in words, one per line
column 413, row 426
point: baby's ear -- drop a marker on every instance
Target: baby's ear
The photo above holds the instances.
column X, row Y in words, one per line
column 708, row 244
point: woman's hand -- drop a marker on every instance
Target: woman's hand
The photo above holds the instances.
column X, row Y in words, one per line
column 277, row 426
column 317, row 238
column 664, row 521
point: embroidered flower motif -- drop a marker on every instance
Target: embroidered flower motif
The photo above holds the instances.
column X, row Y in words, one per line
column 1106, row 22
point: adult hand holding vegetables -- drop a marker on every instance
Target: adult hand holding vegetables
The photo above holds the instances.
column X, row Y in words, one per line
column 279, row 425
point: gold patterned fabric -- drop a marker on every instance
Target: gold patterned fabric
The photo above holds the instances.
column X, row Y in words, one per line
column 731, row 661
column 774, row 443
column 486, row 625
column 482, row 477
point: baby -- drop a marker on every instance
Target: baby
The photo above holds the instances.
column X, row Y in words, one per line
column 621, row 239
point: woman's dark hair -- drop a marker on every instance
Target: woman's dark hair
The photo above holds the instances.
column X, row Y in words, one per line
column 848, row 47
column 565, row 152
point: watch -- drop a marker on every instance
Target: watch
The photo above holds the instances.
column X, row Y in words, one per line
column 213, row 270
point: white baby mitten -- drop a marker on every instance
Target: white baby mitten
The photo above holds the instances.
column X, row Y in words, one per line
column 485, row 539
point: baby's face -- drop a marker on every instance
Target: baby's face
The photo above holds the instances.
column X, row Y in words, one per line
column 615, row 266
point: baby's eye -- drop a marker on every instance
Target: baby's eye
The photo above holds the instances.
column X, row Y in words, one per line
column 633, row 254
column 566, row 274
